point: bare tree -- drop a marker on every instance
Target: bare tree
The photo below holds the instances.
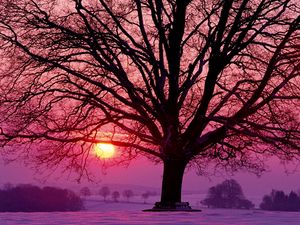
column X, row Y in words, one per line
column 115, row 196
column 85, row 192
column 128, row 194
column 145, row 196
column 184, row 82
column 104, row 192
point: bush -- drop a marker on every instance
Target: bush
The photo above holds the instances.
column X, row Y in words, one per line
column 279, row 201
column 228, row 194
column 29, row 198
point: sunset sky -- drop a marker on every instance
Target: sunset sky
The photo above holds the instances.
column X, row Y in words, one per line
column 144, row 173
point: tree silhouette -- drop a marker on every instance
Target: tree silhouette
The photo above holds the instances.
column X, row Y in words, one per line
column 279, row 201
column 128, row 194
column 115, row 196
column 228, row 194
column 184, row 82
column 30, row 198
column 293, row 202
column 104, row 192
column 145, row 196
column 85, row 191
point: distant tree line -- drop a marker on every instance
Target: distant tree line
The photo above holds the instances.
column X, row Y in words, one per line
column 105, row 192
column 279, row 201
column 228, row 194
column 30, row 198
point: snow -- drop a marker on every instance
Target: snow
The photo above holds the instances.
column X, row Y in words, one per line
column 126, row 213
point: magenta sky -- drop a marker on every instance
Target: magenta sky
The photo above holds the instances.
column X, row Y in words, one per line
column 142, row 172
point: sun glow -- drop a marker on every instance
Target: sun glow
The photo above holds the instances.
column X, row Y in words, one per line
column 104, row 151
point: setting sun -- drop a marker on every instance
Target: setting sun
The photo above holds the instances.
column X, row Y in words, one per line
column 104, row 151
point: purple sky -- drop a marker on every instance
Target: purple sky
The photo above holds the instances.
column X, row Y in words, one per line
column 142, row 172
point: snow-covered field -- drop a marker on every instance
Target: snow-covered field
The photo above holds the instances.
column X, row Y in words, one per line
column 111, row 213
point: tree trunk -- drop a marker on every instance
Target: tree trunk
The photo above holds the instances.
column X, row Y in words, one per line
column 171, row 188
column 172, row 182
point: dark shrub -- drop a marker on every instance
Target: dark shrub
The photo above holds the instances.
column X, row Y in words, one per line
column 29, row 198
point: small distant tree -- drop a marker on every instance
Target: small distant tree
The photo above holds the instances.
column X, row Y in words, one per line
column 115, row 196
column 127, row 194
column 228, row 194
column 85, row 191
column 104, row 192
column 279, row 201
column 145, row 196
